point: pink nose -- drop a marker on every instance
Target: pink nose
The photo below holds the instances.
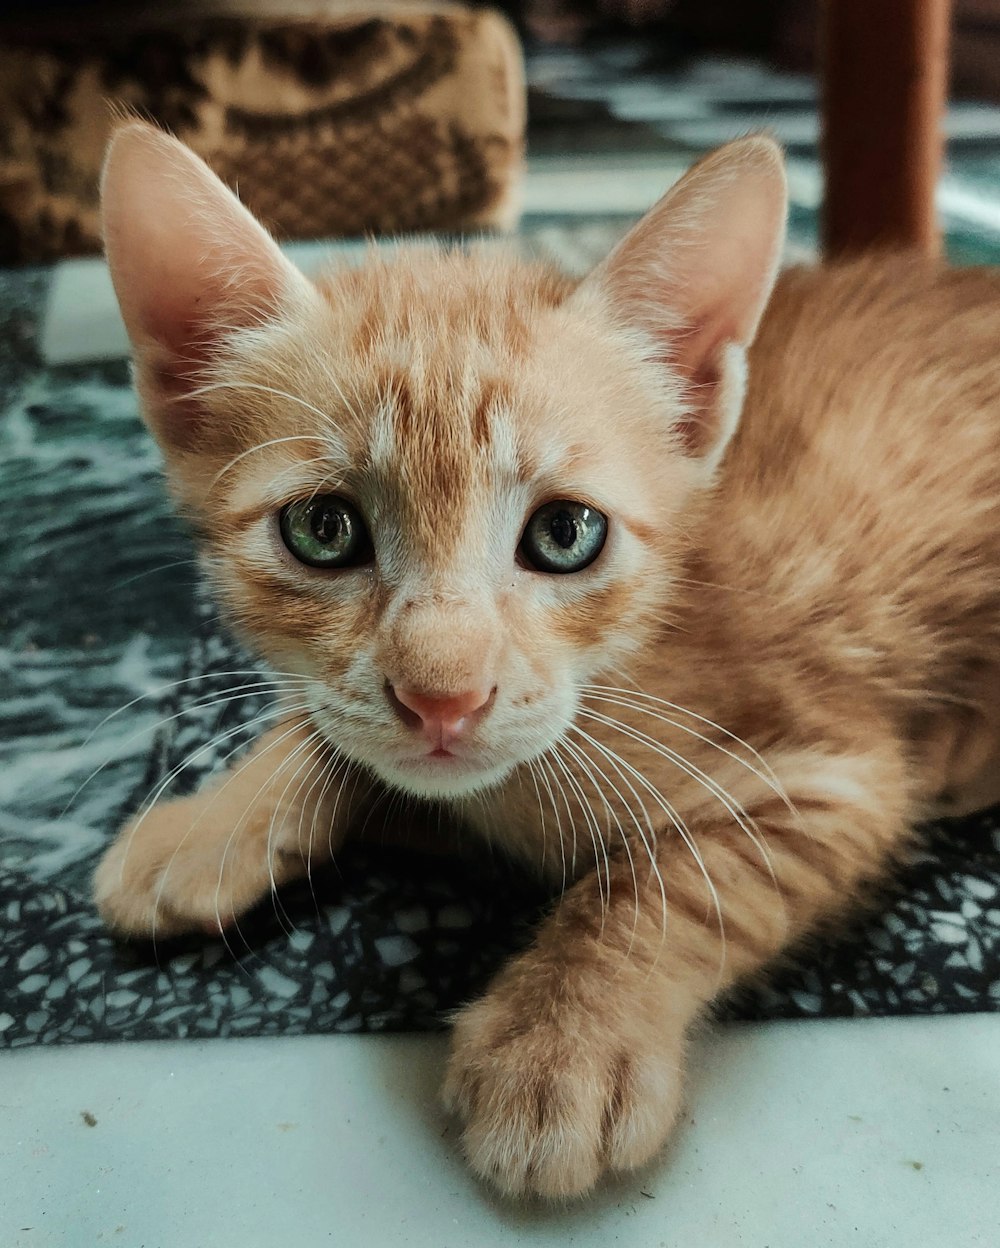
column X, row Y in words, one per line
column 441, row 720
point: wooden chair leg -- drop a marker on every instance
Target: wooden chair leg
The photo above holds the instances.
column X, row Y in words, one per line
column 885, row 89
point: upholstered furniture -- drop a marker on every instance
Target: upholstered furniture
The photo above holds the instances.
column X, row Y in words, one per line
column 333, row 119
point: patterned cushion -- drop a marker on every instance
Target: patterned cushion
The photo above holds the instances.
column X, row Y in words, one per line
column 384, row 119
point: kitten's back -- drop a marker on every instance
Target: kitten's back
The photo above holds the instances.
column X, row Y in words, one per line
column 861, row 497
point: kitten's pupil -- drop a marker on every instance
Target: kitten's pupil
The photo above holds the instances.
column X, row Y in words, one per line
column 326, row 532
column 328, row 524
column 562, row 526
column 563, row 536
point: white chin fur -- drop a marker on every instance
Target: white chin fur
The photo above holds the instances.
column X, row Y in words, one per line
column 441, row 787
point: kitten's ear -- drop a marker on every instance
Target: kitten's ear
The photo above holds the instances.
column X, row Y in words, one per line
column 188, row 261
column 694, row 276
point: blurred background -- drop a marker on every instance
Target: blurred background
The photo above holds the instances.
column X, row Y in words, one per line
column 392, row 116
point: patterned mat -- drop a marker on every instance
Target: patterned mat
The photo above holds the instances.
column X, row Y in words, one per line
column 390, row 940
column 98, row 613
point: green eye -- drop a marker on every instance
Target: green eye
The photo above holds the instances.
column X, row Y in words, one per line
column 564, row 536
column 325, row 532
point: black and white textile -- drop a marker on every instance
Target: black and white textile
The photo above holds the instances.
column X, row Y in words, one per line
column 389, row 940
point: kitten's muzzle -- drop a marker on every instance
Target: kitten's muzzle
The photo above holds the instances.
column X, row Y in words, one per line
column 441, row 721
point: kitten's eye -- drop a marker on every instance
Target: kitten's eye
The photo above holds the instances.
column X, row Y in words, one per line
column 325, row 532
column 564, row 536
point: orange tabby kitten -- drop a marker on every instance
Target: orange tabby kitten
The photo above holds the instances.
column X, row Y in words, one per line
column 508, row 535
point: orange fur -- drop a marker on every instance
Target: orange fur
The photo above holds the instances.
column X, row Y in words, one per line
column 719, row 734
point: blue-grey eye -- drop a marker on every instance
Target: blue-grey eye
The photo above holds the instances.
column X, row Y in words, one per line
column 325, row 532
column 563, row 536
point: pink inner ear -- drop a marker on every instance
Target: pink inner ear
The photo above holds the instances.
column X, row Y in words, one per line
column 189, row 264
column 696, row 429
column 185, row 324
column 183, row 300
column 695, row 355
column 695, row 275
column 187, row 260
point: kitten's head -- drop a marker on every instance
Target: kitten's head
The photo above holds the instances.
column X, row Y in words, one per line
column 449, row 489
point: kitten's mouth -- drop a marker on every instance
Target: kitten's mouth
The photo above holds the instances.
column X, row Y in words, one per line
column 441, row 766
column 440, row 754
column 444, row 774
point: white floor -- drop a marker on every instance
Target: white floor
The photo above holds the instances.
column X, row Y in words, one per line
column 800, row 1135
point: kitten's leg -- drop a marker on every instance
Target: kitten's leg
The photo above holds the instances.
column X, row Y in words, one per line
column 959, row 752
column 571, row 1064
column 198, row 862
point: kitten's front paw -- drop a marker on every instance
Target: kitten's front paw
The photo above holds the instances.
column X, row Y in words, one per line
column 551, row 1099
column 176, row 870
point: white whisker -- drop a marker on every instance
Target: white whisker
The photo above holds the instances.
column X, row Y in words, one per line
column 607, row 693
column 189, row 758
column 194, row 823
column 336, row 770
column 548, row 776
column 592, row 827
column 238, row 827
column 313, row 752
column 647, row 844
column 261, row 446
column 589, row 769
column 707, row 782
column 541, row 813
column 210, row 387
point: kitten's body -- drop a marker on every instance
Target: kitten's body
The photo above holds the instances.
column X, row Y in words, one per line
column 717, row 733
column 862, row 496
column 856, row 519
